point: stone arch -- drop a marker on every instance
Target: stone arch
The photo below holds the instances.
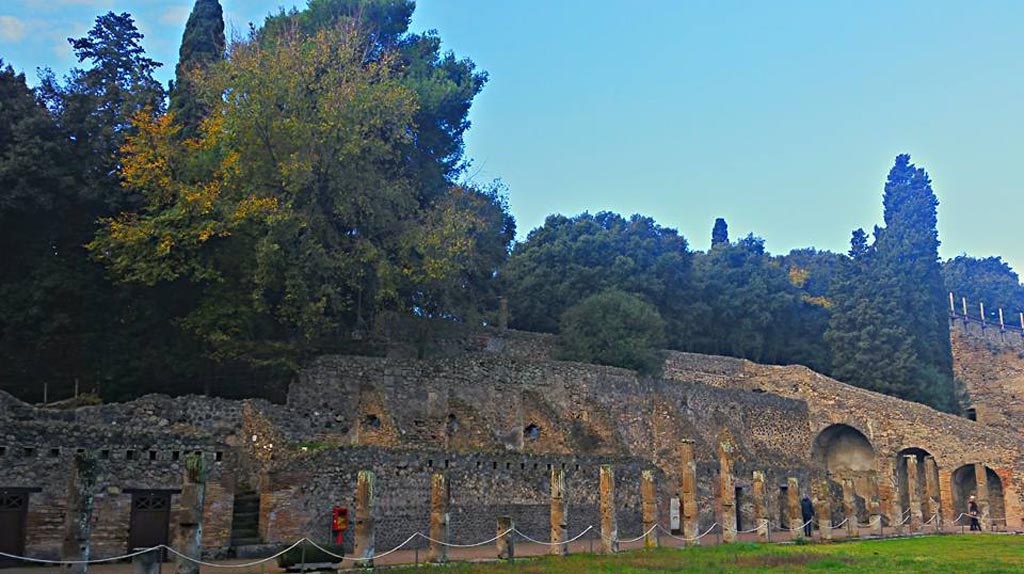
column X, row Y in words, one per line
column 842, row 452
column 903, row 484
column 965, row 484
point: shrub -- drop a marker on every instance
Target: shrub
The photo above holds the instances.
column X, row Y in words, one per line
column 613, row 328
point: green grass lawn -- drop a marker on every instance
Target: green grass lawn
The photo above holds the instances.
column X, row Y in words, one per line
column 979, row 554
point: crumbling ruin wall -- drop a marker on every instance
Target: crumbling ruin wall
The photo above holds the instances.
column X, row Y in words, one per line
column 991, row 366
column 138, row 446
column 893, row 426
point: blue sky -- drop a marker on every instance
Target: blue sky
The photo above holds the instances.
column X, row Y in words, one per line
column 783, row 117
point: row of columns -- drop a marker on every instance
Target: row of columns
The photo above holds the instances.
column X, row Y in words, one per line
column 820, row 490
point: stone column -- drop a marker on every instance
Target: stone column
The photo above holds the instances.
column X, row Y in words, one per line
column 946, row 497
column 365, row 536
column 793, row 504
column 874, row 502
column 609, row 526
column 193, row 499
column 688, row 495
column 931, row 491
column 981, row 480
column 78, row 521
column 559, row 519
column 822, row 495
column 760, row 512
column 913, row 496
column 887, row 496
column 850, row 508
column 649, row 500
column 506, row 540
column 440, row 495
column 726, row 493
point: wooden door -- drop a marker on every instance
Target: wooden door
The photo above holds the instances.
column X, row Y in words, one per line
column 13, row 510
column 150, row 519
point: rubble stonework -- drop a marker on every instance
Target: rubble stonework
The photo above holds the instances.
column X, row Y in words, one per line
column 499, row 417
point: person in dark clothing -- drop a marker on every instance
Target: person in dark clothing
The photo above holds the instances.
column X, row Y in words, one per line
column 807, row 512
column 972, row 511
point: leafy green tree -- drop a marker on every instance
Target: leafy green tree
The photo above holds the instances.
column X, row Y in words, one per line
column 202, row 44
column 889, row 331
column 571, row 258
column 988, row 280
column 740, row 303
column 95, row 106
column 613, row 328
column 443, row 86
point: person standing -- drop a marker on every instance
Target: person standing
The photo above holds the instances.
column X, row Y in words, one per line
column 972, row 511
column 807, row 513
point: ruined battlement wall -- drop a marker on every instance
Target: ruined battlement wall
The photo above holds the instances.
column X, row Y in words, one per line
column 991, row 366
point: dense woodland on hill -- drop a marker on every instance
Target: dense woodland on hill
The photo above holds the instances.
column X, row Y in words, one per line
column 291, row 189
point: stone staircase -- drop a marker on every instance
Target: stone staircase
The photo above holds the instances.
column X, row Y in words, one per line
column 245, row 524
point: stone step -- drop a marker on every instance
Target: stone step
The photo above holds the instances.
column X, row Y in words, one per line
column 240, row 517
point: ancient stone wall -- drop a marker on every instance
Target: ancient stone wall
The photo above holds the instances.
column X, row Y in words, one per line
column 892, row 426
column 138, row 446
column 991, row 366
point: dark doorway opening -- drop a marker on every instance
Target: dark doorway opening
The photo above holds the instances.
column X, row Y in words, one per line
column 150, row 519
column 13, row 513
column 739, row 508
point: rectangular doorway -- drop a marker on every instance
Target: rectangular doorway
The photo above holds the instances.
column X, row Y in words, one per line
column 150, row 519
column 13, row 513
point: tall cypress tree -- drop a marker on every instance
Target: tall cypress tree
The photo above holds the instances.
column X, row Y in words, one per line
column 202, row 44
column 720, row 233
column 889, row 331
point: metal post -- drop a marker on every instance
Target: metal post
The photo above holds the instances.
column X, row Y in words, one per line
column 303, row 556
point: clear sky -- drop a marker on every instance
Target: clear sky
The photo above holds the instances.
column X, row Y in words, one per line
column 783, row 117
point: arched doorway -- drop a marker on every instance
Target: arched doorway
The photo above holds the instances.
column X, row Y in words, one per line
column 844, row 453
column 965, row 485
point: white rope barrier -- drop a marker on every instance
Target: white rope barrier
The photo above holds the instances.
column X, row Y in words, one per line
column 845, row 520
column 246, row 565
column 453, row 545
column 574, row 539
column 751, row 531
column 685, row 539
column 641, row 537
column 801, row 527
column 96, row 561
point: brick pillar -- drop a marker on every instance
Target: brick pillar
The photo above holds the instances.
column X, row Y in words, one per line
column 193, row 498
column 931, row 490
column 946, row 497
column 850, row 508
column 688, row 496
column 649, row 500
column 365, row 537
column 913, row 495
column 874, row 501
column 760, row 512
column 726, row 493
column 793, row 503
column 506, row 542
column 823, row 508
column 609, row 526
column 78, row 520
column 440, row 495
column 981, row 479
column 559, row 518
